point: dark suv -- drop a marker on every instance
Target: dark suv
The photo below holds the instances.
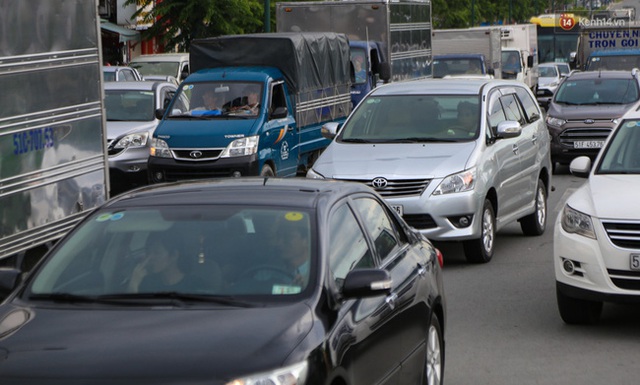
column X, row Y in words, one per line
column 584, row 110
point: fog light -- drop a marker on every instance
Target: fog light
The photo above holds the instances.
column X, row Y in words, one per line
column 464, row 222
column 461, row 221
column 236, row 174
column 568, row 266
column 158, row 175
column 134, row 168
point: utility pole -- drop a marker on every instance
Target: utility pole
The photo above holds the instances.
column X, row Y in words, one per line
column 267, row 16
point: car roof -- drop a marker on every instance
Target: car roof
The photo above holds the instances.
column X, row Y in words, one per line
column 170, row 57
column 451, row 86
column 136, row 85
column 299, row 192
column 115, row 68
column 608, row 74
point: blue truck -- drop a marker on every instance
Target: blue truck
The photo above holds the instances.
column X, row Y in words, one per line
column 272, row 94
column 611, row 46
column 390, row 41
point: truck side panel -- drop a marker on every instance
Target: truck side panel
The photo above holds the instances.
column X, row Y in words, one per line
column 53, row 162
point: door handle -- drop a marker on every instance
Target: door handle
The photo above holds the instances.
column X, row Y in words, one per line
column 514, row 148
column 534, row 139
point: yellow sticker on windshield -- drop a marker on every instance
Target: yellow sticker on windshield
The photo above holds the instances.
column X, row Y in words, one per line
column 293, row 216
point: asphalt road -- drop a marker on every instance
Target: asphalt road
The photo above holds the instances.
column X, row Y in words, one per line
column 503, row 325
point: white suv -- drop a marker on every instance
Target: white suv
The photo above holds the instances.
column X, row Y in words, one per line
column 457, row 158
column 597, row 233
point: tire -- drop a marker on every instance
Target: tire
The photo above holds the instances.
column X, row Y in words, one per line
column 574, row 311
column 434, row 354
column 535, row 223
column 267, row 171
column 481, row 250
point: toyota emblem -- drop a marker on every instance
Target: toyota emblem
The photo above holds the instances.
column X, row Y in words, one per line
column 379, row 183
column 195, row 154
column 589, row 121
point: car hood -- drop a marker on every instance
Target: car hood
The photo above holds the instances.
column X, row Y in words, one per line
column 119, row 129
column 547, row 81
column 358, row 161
column 215, row 132
column 602, row 111
column 151, row 343
column 608, row 197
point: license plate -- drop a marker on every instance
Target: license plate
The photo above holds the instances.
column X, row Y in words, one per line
column 634, row 262
column 398, row 209
column 588, row 144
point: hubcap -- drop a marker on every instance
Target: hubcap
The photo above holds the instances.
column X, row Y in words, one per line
column 487, row 230
column 434, row 364
column 541, row 206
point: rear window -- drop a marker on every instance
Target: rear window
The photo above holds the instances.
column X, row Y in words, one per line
column 597, row 91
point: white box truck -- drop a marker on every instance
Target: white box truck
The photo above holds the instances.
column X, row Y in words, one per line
column 53, row 158
column 455, row 50
column 520, row 53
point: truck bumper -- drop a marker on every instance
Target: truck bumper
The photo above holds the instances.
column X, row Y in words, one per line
column 170, row 170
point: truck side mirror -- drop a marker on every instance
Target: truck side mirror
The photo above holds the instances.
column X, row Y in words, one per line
column 491, row 72
column 530, row 61
column 160, row 113
column 279, row 113
column 384, row 71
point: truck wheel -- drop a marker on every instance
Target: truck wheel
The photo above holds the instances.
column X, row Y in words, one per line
column 267, row 171
column 536, row 222
column 481, row 250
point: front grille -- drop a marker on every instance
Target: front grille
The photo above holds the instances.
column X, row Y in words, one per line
column 205, row 154
column 571, row 135
column 625, row 279
column 398, row 187
column 419, row 221
column 624, row 234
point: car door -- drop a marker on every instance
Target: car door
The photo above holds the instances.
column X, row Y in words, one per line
column 284, row 146
column 504, row 153
column 365, row 341
column 407, row 264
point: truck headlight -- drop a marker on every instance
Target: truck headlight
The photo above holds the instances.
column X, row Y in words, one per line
column 555, row 121
column 132, row 140
column 294, row 374
column 160, row 148
column 575, row 222
column 241, row 147
column 460, row 182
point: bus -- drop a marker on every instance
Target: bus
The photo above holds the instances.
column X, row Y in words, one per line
column 557, row 36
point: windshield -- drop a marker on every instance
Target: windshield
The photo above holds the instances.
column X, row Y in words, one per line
column 622, row 154
column 597, row 91
column 218, row 251
column 443, row 67
column 410, row 118
column 129, row 105
column 209, row 100
column 157, row 68
column 547, row 72
column 617, row 62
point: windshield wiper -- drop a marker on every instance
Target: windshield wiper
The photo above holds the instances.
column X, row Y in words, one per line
column 421, row 140
column 126, row 298
column 355, row 140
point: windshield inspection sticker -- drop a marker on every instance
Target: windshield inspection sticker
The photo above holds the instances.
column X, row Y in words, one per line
column 293, row 216
column 109, row 217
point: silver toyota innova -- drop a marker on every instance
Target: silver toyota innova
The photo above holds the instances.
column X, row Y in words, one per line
column 457, row 158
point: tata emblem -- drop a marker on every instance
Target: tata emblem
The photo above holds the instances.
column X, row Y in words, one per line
column 195, row 154
column 589, row 121
column 379, row 183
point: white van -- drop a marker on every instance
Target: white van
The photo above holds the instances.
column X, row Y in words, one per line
column 164, row 64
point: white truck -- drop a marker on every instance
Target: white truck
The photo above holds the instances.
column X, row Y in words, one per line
column 53, row 157
column 393, row 39
column 520, row 53
column 456, row 50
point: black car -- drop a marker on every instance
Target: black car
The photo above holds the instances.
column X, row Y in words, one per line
column 585, row 108
column 233, row 281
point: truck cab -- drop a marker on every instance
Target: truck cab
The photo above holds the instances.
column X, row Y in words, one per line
column 461, row 65
column 369, row 67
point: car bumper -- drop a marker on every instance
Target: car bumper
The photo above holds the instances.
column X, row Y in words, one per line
column 171, row 170
column 573, row 140
column 601, row 269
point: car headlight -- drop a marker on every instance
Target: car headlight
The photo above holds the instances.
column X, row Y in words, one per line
column 241, row 147
column 555, row 121
column 291, row 375
column 575, row 222
column 132, row 140
column 159, row 148
column 460, row 182
column 552, row 84
column 313, row 174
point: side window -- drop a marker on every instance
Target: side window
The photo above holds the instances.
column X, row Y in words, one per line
column 378, row 225
column 530, row 106
column 496, row 114
column 512, row 108
column 277, row 97
column 166, row 96
column 348, row 245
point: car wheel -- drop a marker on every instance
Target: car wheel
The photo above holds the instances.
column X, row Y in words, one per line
column 434, row 354
column 267, row 171
column 576, row 311
column 481, row 250
column 536, row 222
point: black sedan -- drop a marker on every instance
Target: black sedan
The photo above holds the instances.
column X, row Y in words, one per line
column 235, row 281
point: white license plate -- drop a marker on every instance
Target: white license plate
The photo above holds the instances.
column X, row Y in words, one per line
column 588, row 144
column 634, row 262
column 398, row 209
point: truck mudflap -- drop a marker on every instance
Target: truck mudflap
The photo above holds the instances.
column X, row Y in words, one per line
column 169, row 170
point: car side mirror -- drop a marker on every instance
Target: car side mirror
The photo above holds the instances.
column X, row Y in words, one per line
column 9, row 280
column 580, row 166
column 362, row 283
column 508, row 129
column 329, row 130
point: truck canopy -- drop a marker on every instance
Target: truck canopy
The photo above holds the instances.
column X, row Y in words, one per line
column 309, row 61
